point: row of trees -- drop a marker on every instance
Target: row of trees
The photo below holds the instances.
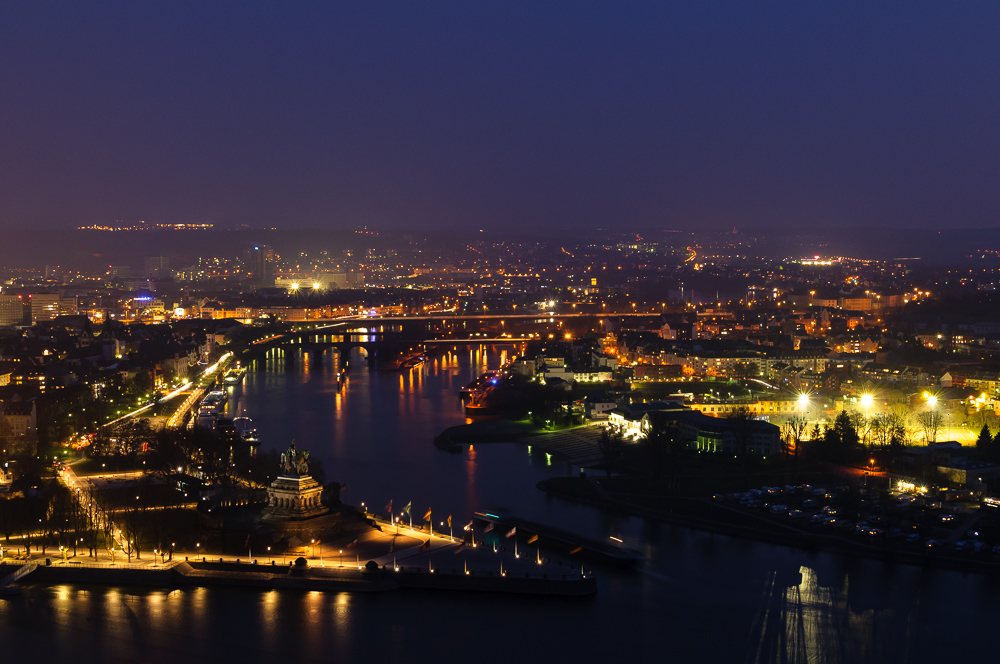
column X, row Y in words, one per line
column 221, row 459
column 53, row 516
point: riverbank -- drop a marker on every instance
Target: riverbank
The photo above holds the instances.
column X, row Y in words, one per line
column 702, row 514
column 367, row 578
column 497, row 430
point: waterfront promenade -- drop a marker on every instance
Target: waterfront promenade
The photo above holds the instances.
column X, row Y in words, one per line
column 351, row 562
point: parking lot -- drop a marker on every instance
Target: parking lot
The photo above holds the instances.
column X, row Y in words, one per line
column 911, row 520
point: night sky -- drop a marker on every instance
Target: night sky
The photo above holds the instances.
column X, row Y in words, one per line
column 501, row 115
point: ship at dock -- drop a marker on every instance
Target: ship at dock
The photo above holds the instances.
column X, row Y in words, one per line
column 481, row 383
column 234, row 375
column 213, row 404
column 412, row 362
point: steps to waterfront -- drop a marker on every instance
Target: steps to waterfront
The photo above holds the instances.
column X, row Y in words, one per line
column 577, row 446
column 7, row 586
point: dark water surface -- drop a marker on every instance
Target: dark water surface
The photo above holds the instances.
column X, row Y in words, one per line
column 700, row 597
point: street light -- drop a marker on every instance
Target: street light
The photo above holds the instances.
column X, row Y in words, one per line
column 932, row 404
column 803, row 403
column 866, row 401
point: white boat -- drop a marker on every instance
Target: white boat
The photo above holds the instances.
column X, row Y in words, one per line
column 214, row 404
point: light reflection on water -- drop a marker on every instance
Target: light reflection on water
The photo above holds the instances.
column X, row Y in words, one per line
column 808, row 619
column 701, row 597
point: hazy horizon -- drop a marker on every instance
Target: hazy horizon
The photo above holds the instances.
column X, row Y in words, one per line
column 512, row 117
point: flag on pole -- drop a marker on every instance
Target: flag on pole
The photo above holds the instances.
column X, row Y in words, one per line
column 449, row 521
column 392, row 545
column 353, row 544
column 408, row 506
column 388, row 508
column 532, row 539
column 427, row 517
column 247, row 545
column 488, row 528
column 512, row 532
column 426, row 545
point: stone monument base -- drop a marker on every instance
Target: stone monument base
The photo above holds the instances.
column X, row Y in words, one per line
column 294, row 509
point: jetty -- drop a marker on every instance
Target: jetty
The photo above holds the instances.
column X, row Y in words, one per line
column 564, row 541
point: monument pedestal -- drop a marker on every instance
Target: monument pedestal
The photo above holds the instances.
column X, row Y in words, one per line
column 294, row 508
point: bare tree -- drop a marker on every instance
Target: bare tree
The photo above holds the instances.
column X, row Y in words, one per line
column 880, row 431
column 930, row 424
column 58, row 513
column 862, row 425
column 612, row 445
column 132, row 518
column 793, row 431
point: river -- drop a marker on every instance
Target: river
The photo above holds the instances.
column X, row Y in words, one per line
column 699, row 597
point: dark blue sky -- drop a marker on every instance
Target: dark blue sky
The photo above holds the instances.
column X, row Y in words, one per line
column 480, row 114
